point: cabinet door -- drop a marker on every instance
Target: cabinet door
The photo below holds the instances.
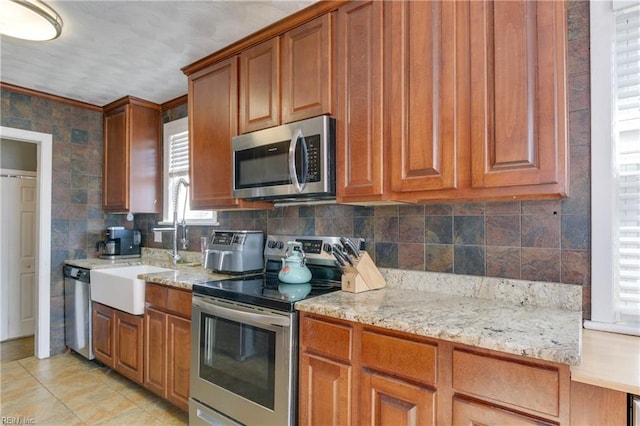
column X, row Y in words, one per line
column 359, row 103
column 179, row 360
column 306, row 70
column 116, row 161
column 155, row 349
column 325, row 392
column 260, row 86
column 129, row 347
column 145, row 187
column 518, row 93
column 213, row 115
column 421, row 78
column 387, row 401
column 103, row 329
column 472, row 413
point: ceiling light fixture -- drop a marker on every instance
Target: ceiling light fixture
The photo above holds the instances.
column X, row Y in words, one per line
column 29, row 20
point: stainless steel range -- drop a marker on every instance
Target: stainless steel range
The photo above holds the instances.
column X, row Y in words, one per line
column 244, row 353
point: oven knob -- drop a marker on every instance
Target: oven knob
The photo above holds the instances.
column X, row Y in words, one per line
column 271, row 244
column 327, row 247
column 280, row 245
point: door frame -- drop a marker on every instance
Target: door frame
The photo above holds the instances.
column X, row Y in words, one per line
column 45, row 178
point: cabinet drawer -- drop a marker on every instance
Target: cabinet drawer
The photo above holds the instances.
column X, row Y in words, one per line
column 155, row 295
column 399, row 357
column 179, row 301
column 327, row 338
column 534, row 387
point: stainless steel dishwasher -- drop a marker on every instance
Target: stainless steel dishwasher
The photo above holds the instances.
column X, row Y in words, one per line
column 77, row 310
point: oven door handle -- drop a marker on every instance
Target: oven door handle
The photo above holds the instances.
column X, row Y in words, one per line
column 242, row 316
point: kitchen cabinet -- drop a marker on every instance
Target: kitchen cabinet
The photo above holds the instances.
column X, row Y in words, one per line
column 213, row 121
column 167, row 343
column 595, row 405
column 260, row 86
column 423, row 85
column 326, row 375
column 518, row 94
column 401, row 378
column 474, row 97
column 132, row 167
column 118, row 341
column 360, row 148
column 287, row 78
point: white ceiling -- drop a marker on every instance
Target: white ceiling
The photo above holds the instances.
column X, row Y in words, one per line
column 110, row 49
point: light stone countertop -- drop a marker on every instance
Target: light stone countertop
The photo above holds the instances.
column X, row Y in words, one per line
column 532, row 319
column 478, row 312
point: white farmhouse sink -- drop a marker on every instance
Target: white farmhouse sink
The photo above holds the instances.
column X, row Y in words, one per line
column 120, row 287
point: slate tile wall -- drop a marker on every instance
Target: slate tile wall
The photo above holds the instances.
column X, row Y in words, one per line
column 77, row 219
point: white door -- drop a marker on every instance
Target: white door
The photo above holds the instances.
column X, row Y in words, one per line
column 18, row 253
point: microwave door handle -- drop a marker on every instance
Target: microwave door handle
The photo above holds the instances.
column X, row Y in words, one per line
column 292, row 160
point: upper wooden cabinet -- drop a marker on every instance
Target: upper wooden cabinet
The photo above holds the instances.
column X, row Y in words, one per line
column 360, row 148
column 260, row 86
column 287, row 78
column 518, row 94
column 474, row 97
column 132, row 167
column 213, row 121
column 306, row 70
column 422, row 100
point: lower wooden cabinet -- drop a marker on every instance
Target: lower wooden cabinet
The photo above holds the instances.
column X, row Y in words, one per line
column 389, row 401
column 167, row 343
column 117, row 341
column 467, row 412
column 405, row 379
column 326, row 385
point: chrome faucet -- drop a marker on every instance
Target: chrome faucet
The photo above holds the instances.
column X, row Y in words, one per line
column 175, row 256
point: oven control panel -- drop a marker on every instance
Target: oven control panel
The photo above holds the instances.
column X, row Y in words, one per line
column 317, row 249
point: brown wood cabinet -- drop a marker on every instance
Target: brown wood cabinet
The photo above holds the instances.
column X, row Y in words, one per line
column 518, row 94
column 260, row 86
column 594, row 405
column 474, row 97
column 118, row 341
column 423, row 86
column 213, row 121
column 132, row 169
column 360, row 148
column 306, row 70
column 406, row 379
column 287, row 78
column 167, row 343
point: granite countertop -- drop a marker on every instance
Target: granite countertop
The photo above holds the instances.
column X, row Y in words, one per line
column 542, row 322
column 532, row 319
column 183, row 275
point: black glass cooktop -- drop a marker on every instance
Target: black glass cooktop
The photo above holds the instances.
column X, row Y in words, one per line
column 266, row 290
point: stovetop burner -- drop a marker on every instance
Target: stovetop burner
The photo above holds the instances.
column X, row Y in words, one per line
column 265, row 290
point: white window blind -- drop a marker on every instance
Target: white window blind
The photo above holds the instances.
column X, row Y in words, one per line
column 176, row 148
column 627, row 164
column 615, row 166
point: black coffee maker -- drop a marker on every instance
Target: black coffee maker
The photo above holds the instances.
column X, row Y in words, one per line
column 119, row 243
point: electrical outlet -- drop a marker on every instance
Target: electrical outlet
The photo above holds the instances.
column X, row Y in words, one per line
column 157, row 236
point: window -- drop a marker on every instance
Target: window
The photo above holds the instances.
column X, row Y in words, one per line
column 615, row 166
column 176, row 167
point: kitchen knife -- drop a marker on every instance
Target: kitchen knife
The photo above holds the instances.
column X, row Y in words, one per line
column 340, row 267
column 339, row 251
column 339, row 257
column 350, row 247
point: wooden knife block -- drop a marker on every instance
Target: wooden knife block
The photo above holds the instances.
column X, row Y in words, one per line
column 363, row 276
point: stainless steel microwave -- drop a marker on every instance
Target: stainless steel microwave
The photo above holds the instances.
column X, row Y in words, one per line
column 287, row 162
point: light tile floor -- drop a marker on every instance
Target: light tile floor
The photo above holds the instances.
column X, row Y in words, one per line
column 69, row 390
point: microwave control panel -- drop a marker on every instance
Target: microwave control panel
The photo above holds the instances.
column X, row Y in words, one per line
column 313, row 157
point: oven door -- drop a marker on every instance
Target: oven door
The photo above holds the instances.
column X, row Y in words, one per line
column 244, row 361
